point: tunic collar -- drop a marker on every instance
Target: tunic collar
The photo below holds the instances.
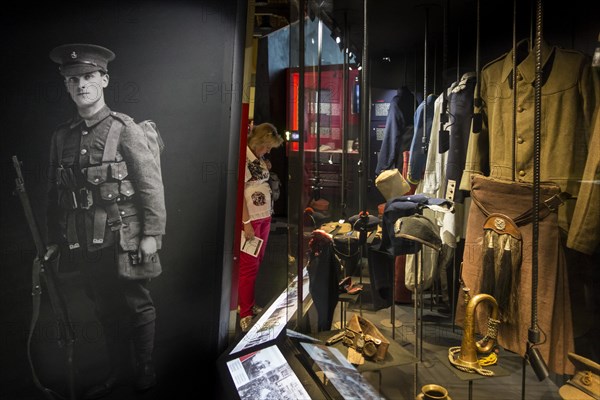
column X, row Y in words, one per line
column 93, row 120
column 527, row 66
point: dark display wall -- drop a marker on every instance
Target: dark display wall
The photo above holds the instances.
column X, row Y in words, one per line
column 574, row 26
column 174, row 64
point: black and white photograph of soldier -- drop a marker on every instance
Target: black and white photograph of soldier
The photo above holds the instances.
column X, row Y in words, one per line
column 72, row 71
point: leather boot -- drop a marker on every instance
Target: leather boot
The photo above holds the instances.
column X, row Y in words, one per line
column 119, row 354
column 145, row 378
column 104, row 388
column 143, row 345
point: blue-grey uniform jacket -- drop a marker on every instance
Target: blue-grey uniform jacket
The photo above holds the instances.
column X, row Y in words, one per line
column 96, row 198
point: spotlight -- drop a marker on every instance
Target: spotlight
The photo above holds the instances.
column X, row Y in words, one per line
column 386, row 59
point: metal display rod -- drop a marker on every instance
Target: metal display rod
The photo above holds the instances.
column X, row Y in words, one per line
column 533, row 355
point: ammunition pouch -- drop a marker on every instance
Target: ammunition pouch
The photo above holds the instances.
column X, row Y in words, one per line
column 99, row 188
column 105, row 186
column 108, row 179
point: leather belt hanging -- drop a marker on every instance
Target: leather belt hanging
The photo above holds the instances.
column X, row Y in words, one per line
column 546, row 207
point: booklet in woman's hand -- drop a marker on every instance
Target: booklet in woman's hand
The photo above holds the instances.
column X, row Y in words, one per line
column 251, row 247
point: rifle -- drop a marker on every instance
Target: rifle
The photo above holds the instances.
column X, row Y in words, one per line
column 47, row 270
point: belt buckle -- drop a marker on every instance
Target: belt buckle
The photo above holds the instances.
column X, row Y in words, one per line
column 86, row 199
column 557, row 200
column 360, row 343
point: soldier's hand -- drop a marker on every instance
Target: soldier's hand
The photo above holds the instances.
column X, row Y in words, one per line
column 51, row 252
column 147, row 248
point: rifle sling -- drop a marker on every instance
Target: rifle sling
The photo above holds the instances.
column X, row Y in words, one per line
column 36, row 293
column 59, row 305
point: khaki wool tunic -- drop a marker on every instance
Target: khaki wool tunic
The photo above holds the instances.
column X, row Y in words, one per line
column 570, row 98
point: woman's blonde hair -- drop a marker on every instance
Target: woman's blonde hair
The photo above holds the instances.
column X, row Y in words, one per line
column 264, row 134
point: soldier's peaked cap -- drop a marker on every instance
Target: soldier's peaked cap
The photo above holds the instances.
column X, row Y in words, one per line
column 79, row 58
column 585, row 384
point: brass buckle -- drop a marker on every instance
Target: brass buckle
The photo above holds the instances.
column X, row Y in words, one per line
column 557, row 200
column 360, row 343
column 348, row 339
column 370, row 348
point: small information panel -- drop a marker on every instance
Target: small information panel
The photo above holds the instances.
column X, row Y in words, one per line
column 265, row 374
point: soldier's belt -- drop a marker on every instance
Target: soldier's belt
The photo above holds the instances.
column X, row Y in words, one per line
column 85, row 197
column 77, row 199
column 364, row 337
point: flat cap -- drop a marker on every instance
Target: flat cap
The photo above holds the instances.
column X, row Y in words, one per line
column 80, row 58
column 585, row 384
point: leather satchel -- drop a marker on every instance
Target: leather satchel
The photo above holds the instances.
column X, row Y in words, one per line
column 363, row 337
column 347, row 245
column 131, row 266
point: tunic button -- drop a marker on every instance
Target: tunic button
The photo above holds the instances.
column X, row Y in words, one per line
column 521, row 173
column 96, row 179
column 84, row 132
column 83, row 152
column 520, row 140
column 520, row 109
column 519, row 76
column 122, row 212
column 110, row 195
column 120, row 175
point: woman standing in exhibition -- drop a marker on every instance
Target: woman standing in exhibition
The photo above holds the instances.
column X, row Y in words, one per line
column 256, row 214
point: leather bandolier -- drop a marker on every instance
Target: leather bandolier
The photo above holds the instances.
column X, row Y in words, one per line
column 101, row 190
